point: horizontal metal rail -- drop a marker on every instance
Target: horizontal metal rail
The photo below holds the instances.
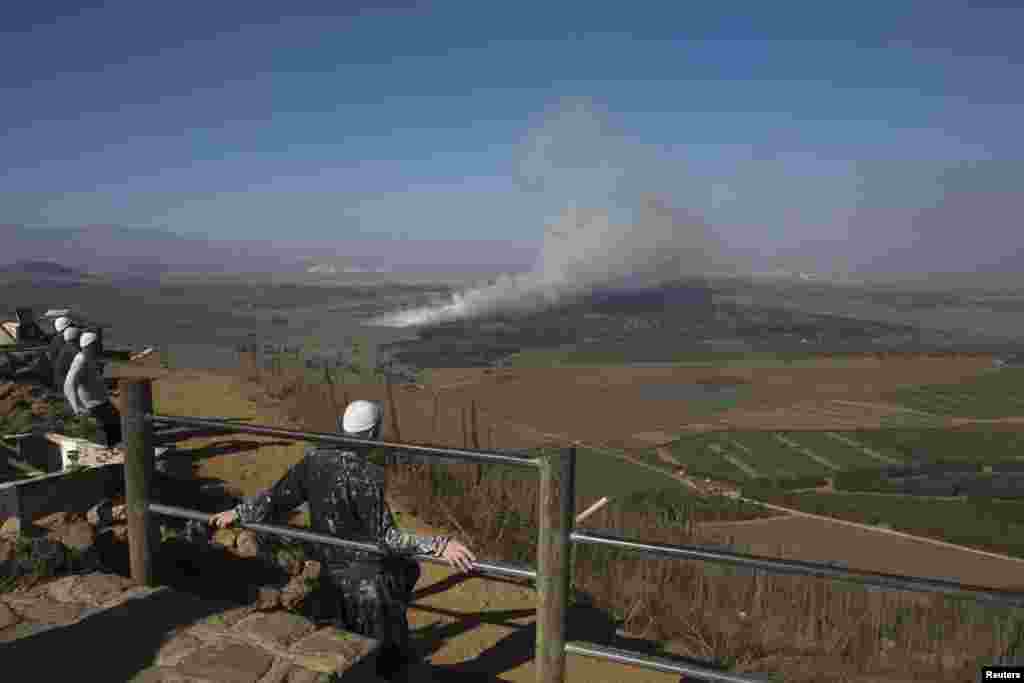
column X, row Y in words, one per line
column 490, row 568
column 11, row 348
column 656, row 663
column 322, row 437
column 804, row 568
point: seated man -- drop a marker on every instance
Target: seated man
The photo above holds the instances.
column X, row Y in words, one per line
column 359, row 591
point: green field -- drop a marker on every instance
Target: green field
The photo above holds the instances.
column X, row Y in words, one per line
column 987, row 524
column 843, row 456
column 695, row 453
column 572, row 356
column 993, row 394
column 945, row 446
column 774, row 460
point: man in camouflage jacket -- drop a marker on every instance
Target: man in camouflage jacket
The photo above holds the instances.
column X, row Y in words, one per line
column 363, row 592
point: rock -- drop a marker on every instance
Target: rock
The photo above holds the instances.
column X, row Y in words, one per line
column 294, row 592
column 98, row 589
column 311, row 570
column 77, row 535
column 54, row 521
column 225, row 537
column 265, row 597
column 177, row 648
column 119, row 513
column 49, row 612
column 6, row 554
column 232, row 663
column 284, row 671
column 8, row 617
column 62, row 589
column 329, row 650
column 229, row 617
column 247, row 544
column 276, row 629
column 11, row 527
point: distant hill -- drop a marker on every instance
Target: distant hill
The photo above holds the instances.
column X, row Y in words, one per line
column 41, row 268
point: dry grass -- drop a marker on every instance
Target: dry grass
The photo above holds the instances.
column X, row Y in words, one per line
column 807, row 629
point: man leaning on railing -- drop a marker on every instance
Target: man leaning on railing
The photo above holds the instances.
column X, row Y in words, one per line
column 359, row 591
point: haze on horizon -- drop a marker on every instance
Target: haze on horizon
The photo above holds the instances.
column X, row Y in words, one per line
column 825, row 137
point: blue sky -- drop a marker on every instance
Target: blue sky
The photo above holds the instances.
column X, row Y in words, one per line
column 847, row 129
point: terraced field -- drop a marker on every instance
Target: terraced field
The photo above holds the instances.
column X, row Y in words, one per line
column 774, row 460
column 845, row 457
column 697, row 454
column 795, row 459
column 993, row 394
column 943, row 445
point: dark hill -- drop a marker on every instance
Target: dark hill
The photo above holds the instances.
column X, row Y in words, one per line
column 45, row 268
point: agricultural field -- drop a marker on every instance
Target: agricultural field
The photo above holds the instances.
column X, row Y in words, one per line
column 992, row 394
column 791, row 460
column 974, row 446
column 772, row 459
column 986, row 524
column 835, row 452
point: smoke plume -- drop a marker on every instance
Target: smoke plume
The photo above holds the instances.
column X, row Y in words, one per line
column 606, row 235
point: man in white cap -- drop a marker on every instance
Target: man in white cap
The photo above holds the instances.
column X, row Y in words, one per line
column 57, row 341
column 41, row 366
column 359, row 591
column 86, row 392
column 65, row 356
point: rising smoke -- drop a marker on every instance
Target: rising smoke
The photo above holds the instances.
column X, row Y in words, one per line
column 606, row 235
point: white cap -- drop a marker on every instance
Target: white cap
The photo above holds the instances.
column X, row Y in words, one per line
column 61, row 323
column 71, row 333
column 87, row 338
column 360, row 416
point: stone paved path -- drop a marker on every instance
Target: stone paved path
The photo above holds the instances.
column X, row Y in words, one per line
column 101, row 627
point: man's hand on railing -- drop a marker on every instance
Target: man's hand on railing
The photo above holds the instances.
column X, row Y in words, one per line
column 222, row 520
column 458, row 556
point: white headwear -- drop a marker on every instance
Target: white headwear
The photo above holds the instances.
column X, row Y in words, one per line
column 87, row 338
column 360, row 416
column 61, row 323
column 71, row 333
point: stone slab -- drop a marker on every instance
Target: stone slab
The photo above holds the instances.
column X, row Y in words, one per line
column 169, row 636
column 229, row 663
column 277, row 629
column 330, row 649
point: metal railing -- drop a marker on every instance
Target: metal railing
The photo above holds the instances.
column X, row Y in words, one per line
column 556, row 523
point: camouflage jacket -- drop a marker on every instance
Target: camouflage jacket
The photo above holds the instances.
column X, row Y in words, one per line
column 345, row 493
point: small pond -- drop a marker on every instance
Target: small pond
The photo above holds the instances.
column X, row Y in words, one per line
column 691, row 392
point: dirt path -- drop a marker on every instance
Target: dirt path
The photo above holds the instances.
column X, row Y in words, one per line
column 807, row 537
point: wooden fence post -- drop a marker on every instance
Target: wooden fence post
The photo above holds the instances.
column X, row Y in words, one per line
column 475, row 417
column 556, row 506
column 138, row 475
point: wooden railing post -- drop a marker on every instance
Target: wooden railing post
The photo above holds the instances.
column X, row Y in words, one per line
column 138, row 475
column 557, row 498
